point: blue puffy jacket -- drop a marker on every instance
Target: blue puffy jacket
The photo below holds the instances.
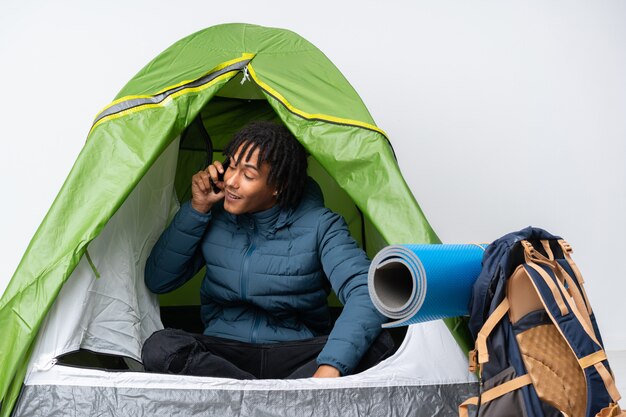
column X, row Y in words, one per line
column 267, row 276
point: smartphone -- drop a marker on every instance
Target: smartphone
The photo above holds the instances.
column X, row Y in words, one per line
column 220, row 177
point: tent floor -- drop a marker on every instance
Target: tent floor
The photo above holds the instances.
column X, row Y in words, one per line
column 439, row 400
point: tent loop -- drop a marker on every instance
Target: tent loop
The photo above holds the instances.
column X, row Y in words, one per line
column 45, row 364
column 92, row 265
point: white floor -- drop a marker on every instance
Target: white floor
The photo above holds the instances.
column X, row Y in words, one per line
column 617, row 360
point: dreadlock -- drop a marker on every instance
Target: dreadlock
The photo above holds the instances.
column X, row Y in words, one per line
column 281, row 150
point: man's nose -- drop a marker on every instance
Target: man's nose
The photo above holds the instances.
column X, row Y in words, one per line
column 231, row 178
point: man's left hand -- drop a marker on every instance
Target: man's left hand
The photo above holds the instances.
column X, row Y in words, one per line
column 327, row 371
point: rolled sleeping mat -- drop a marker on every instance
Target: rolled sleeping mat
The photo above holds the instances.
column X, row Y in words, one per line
column 417, row 283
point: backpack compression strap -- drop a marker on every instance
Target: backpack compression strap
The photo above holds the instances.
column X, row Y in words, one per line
column 480, row 355
column 481, row 340
column 495, row 392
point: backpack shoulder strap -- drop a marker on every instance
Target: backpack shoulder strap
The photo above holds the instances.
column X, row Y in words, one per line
column 555, row 277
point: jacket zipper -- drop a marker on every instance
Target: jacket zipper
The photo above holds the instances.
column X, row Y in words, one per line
column 255, row 327
column 243, row 287
column 243, row 277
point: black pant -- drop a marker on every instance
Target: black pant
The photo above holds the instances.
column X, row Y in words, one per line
column 175, row 351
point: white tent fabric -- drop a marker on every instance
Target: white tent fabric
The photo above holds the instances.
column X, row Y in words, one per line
column 115, row 313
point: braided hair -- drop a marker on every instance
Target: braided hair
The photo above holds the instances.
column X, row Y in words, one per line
column 286, row 157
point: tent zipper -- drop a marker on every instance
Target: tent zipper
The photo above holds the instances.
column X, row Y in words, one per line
column 45, row 366
column 246, row 75
column 133, row 103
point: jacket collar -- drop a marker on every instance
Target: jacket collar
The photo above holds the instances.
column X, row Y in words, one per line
column 263, row 221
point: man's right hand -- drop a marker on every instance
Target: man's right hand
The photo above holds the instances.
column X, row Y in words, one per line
column 202, row 195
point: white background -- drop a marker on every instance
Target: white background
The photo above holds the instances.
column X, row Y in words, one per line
column 503, row 114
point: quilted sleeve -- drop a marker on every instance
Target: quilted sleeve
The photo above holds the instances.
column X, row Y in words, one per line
column 177, row 256
column 346, row 266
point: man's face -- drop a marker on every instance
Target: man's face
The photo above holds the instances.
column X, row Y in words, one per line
column 245, row 185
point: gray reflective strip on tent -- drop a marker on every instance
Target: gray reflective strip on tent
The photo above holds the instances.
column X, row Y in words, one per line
column 59, row 400
column 136, row 102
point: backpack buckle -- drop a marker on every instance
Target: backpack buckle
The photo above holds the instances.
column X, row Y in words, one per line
column 473, row 360
column 528, row 248
column 566, row 246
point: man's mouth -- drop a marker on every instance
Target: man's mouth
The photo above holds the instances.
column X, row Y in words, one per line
column 232, row 196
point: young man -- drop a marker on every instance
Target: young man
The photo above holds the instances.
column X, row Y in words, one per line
column 270, row 248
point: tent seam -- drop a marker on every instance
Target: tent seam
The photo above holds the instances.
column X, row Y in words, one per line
column 30, row 283
column 307, row 116
column 24, row 322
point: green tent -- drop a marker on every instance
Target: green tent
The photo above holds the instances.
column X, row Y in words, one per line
column 191, row 99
